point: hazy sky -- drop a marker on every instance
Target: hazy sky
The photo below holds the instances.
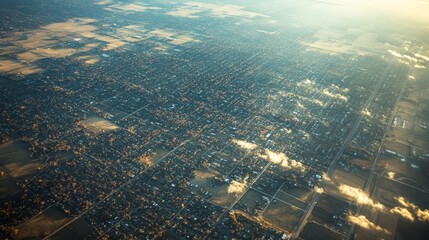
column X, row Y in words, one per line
column 411, row 10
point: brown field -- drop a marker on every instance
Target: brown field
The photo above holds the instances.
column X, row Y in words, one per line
column 88, row 59
column 43, row 224
column 221, row 196
column 302, row 194
column 282, row 215
column 12, row 66
column 42, row 43
column 364, row 164
column 342, row 177
column 54, row 53
column 29, row 56
column 9, row 49
column 314, row 231
column 251, row 198
column 78, row 229
column 8, row 188
column 14, row 158
column 292, row 200
column 406, row 230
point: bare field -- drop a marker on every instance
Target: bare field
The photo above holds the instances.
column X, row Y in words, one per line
column 8, row 188
column 78, row 229
column 398, row 147
column 342, row 177
column 314, row 231
column 203, row 182
column 302, row 194
column 43, row 224
column 364, row 164
column 11, row 66
column 282, row 215
column 32, row 46
column 292, row 200
column 14, row 158
column 29, row 56
column 252, row 199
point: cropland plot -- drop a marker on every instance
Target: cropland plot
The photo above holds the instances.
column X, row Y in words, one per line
column 78, row 229
column 385, row 197
column 398, row 189
column 342, row 177
column 15, row 160
column 406, row 230
column 253, row 202
column 43, row 224
column 209, row 185
column 314, row 231
column 332, row 212
column 283, row 215
column 8, row 188
column 422, row 124
column 291, row 199
column 398, row 147
column 304, row 194
column 335, row 205
column 402, row 171
column 408, row 105
column 363, row 164
column 326, row 218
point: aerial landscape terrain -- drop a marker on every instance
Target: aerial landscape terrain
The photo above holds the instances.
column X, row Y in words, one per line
column 214, row 119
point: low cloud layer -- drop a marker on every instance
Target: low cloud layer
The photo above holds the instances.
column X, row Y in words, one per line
column 359, row 196
column 363, row 222
column 274, row 157
column 410, row 211
column 416, row 61
column 244, row 144
column 405, row 213
column 237, row 187
column 329, row 92
column 283, row 160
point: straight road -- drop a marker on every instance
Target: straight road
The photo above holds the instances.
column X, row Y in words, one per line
column 334, row 163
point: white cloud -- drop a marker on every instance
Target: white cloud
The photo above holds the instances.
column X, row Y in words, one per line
column 237, row 187
column 421, row 56
column 405, row 213
column 363, row 222
column 244, row 144
column 283, row 160
column 359, row 196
